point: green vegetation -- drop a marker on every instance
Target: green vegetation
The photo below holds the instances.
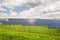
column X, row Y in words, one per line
column 19, row 32
column 9, row 18
column 33, row 18
column 4, row 18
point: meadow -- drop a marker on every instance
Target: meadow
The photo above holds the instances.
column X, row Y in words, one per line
column 19, row 32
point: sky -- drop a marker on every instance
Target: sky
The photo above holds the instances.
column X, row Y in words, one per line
column 30, row 9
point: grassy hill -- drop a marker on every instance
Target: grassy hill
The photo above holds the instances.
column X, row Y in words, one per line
column 19, row 32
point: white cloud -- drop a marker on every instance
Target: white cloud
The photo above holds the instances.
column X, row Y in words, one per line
column 38, row 8
column 19, row 3
column 2, row 9
column 3, row 15
column 12, row 13
column 41, row 11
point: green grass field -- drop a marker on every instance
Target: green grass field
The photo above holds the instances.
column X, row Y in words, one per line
column 19, row 32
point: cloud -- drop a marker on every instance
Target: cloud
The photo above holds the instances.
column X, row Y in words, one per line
column 42, row 11
column 19, row 3
column 12, row 13
column 3, row 15
column 38, row 8
column 2, row 9
column 12, row 4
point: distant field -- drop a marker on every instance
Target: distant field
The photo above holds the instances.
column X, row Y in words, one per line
column 19, row 32
column 37, row 19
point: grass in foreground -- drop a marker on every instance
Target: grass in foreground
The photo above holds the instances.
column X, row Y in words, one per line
column 19, row 32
